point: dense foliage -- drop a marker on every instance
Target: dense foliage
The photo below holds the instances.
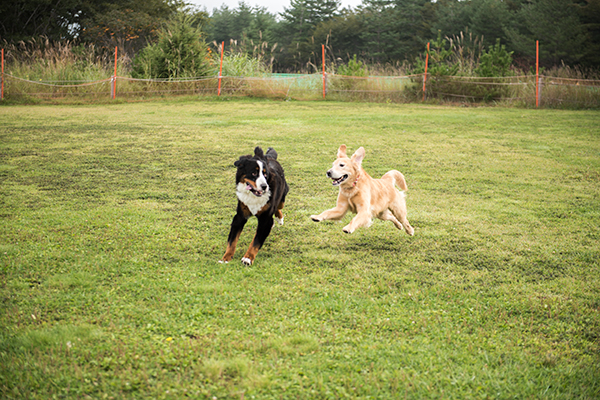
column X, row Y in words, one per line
column 383, row 32
column 390, row 31
column 129, row 24
column 178, row 53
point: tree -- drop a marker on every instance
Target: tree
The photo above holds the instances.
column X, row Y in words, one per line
column 487, row 19
column 262, row 26
column 26, row 19
column 179, row 52
column 451, row 17
column 128, row 24
column 395, row 29
column 128, row 29
column 304, row 15
column 589, row 13
column 556, row 24
column 494, row 62
column 104, row 23
column 483, row 18
column 342, row 34
column 296, row 30
column 248, row 26
column 379, row 35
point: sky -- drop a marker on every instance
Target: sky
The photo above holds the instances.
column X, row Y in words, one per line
column 273, row 6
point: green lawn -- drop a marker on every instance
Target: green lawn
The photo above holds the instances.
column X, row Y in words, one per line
column 113, row 218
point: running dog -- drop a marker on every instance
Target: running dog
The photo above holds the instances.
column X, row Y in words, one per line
column 365, row 196
column 261, row 189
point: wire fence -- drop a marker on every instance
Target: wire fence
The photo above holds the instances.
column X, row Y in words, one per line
column 527, row 91
column 551, row 92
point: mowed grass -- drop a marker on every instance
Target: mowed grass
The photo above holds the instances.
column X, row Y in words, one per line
column 113, row 218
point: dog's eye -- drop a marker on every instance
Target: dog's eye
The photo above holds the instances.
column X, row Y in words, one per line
column 342, row 165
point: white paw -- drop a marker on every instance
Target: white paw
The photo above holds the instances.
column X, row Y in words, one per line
column 246, row 261
column 279, row 221
column 316, row 218
column 223, row 262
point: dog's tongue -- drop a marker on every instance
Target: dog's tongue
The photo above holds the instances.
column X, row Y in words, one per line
column 255, row 191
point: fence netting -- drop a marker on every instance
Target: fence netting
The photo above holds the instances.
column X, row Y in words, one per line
column 516, row 90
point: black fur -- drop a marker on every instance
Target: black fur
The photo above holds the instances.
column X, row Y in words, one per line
column 247, row 172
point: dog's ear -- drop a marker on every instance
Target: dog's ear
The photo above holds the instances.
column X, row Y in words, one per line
column 258, row 152
column 342, row 151
column 241, row 161
column 358, row 156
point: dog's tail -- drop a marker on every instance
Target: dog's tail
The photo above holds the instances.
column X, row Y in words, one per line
column 398, row 178
column 271, row 153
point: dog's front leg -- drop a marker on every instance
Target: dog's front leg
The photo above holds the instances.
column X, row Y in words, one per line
column 237, row 225
column 265, row 223
column 335, row 213
column 363, row 218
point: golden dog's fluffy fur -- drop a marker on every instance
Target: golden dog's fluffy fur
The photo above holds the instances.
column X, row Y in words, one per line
column 367, row 197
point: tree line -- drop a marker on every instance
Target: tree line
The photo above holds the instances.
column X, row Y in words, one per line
column 383, row 32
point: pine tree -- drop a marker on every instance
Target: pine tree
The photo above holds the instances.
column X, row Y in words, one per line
column 556, row 24
column 304, row 15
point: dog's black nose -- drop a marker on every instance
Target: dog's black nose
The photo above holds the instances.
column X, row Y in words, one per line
column 328, row 174
column 264, row 187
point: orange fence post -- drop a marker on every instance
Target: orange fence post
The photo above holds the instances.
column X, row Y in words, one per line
column 114, row 83
column 324, row 78
column 2, row 90
column 425, row 76
column 537, row 73
column 221, row 67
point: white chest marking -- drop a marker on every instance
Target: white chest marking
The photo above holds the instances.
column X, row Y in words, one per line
column 254, row 203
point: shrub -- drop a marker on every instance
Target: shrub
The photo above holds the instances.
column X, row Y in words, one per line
column 495, row 62
column 343, row 80
column 179, row 52
column 440, row 60
column 465, row 57
column 353, row 68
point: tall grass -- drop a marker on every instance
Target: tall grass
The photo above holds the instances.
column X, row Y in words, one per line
column 43, row 60
column 245, row 59
column 236, row 64
column 377, row 89
column 55, row 67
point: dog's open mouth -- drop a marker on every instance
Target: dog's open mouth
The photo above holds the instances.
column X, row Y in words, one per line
column 255, row 192
column 339, row 180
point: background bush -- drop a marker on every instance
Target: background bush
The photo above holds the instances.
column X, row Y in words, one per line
column 495, row 62
column 179, row 52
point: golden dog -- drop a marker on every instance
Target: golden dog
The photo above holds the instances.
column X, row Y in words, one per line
column 365, row 196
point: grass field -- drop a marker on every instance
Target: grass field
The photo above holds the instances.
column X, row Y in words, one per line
column 113, row 218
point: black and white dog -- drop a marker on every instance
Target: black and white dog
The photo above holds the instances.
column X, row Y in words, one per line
column 261, row 190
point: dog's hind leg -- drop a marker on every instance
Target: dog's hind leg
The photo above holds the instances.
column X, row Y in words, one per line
column 398, row 208
column 388, row 216
column 279, row 214
column 265, row 223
